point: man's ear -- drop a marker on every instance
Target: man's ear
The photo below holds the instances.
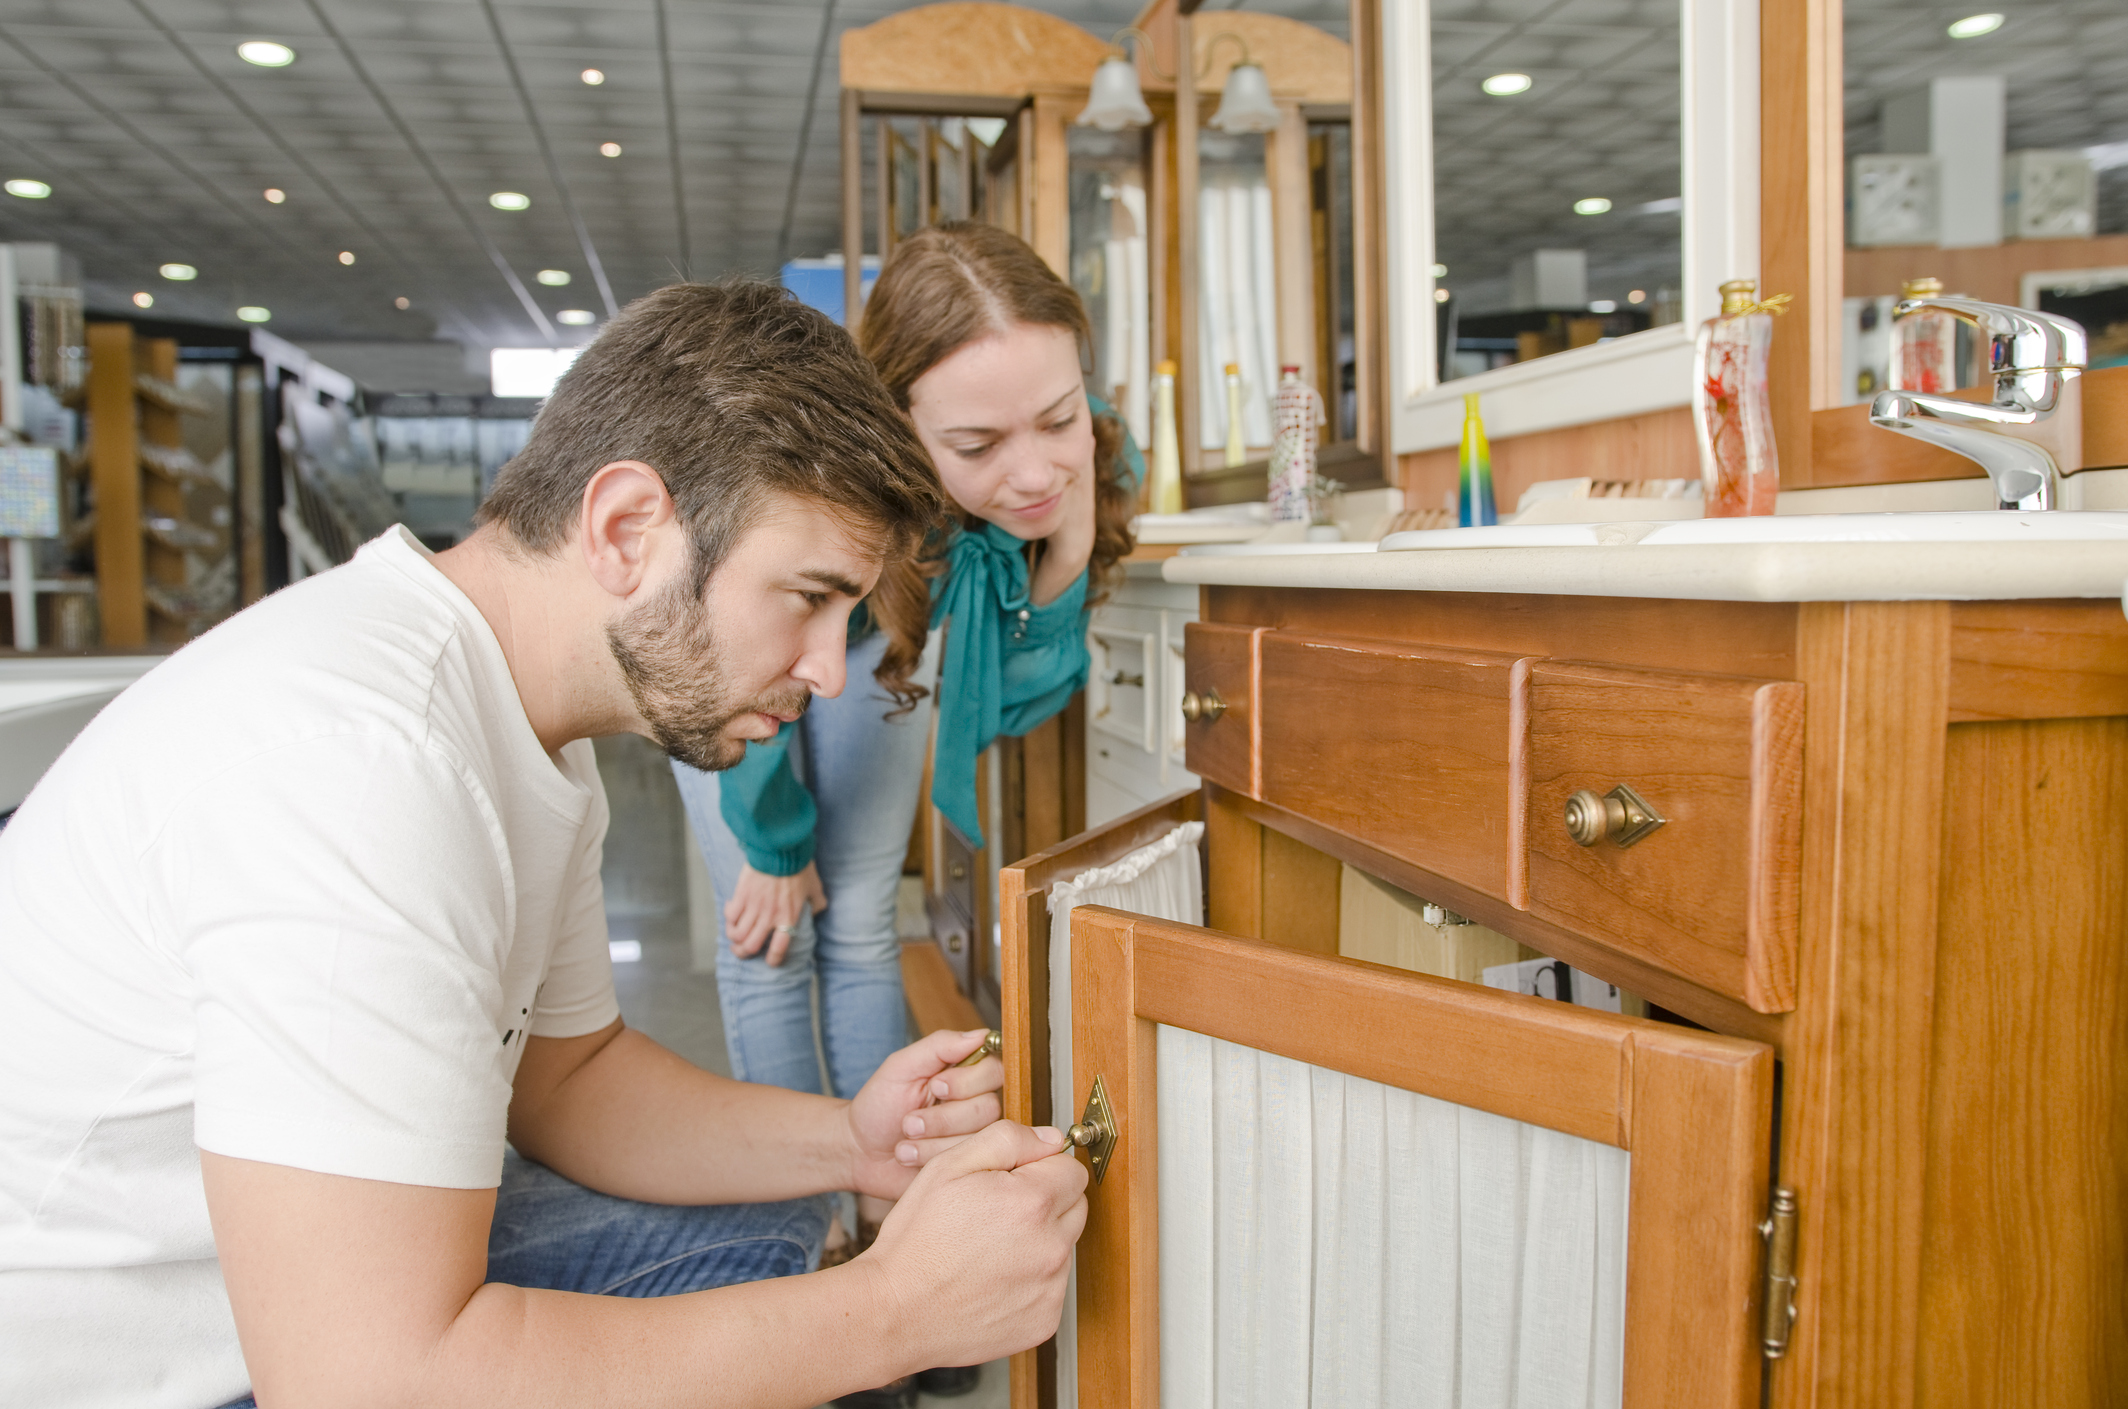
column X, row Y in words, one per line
column 622, row 525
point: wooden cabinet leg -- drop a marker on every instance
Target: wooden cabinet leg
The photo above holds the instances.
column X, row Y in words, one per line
column 1233, row 882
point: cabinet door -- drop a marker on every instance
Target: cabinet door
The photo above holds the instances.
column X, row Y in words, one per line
column 1369, row 1259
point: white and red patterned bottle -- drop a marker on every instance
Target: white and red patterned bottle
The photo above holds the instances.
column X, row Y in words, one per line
column 1731, row 411
column 1296, row 421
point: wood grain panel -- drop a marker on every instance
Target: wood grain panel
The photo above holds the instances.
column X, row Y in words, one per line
column 1855, row 1094
column 1223, row 659
column 1233, row 846
column 1728, row 638
column 1652, row 445
column 1003, row 50
column 1692, row 1108
column 1406, row 748
column 1849, row 450
column 2038, row 660
column 114, row 476
column 2024, row 1267
column 1300, row 895
column 1712, row 893
column 1627, row 969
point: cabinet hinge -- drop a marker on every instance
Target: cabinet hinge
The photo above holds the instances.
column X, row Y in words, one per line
column 1779, row 1231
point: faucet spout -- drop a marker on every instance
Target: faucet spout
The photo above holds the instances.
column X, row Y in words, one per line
column 2031, row 432
column 2025, row 475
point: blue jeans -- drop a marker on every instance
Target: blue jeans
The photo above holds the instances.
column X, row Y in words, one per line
column 557, row 1235
column 864, row 771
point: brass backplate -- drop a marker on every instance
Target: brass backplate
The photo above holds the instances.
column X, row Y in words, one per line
column 1099, row 1121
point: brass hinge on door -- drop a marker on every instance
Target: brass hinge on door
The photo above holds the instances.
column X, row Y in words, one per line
column 1779, row 1231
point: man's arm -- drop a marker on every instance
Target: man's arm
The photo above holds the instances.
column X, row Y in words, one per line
column 616, row 1112
column 372, row 1295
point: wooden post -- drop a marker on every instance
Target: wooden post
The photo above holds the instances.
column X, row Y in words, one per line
column 114, row 475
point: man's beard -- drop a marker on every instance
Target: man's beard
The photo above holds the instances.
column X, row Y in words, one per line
column 668, row 654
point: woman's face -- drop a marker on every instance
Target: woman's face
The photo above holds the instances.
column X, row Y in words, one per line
column 1006, row 422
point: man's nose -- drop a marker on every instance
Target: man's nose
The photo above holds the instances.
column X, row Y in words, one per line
column 824, row 668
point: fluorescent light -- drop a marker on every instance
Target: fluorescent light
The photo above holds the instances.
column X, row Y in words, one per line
column 275, row 195
column 1973, row 26
column 252, row 313
column 1591, row 205
column 609, row 149
column 1603, row 305
column 510, row 200
column 179, row 272
column 528, row 371
column 553, row 278
column 1506, row 85
column 347, row 256
column 29, row 190
column 592, row 76
column 576, row 317
column 265, row 53
column 625, row 951
column 144, row 300
column 1440, row 271
column 2107, row 156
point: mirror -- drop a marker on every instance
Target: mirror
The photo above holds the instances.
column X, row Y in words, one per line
column 1990, row 152
column 1237, row 298
column 1557, row 177
column 1109, row 266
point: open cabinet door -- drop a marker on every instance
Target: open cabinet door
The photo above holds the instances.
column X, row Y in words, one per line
column 1335, row 1183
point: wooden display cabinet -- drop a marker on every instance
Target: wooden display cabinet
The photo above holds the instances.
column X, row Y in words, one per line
column 1893, row 867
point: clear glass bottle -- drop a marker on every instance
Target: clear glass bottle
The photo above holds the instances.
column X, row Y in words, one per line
column 1924, row 343
column 1730, row 409
column 1297, row 418
column 1165, row 492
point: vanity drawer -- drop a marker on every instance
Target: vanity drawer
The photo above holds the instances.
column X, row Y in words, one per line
column 1711, row 893
column 1410, row 749
column 1220, row 742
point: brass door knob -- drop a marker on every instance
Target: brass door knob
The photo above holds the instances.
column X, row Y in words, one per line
column 1207, row 706
column 1621, row 814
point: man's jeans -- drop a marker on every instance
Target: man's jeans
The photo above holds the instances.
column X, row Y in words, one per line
column 864, row 771
column 553, row 1234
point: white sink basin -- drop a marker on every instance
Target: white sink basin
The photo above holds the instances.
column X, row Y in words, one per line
column 1999, row 526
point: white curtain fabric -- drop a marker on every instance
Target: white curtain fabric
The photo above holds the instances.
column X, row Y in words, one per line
column 1160, row 879
column 1129, row 353
column 1237, row 303
column 1330, row 1241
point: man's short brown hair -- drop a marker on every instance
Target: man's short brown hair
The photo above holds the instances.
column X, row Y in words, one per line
column 730, row 391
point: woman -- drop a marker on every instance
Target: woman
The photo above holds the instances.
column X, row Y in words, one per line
column 982, row 345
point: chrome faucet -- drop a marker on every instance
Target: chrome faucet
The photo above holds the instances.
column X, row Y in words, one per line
column 2032, row 427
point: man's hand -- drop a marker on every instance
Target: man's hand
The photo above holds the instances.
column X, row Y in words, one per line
column 764, row 909
column 975, row 1255
column 918, row 1104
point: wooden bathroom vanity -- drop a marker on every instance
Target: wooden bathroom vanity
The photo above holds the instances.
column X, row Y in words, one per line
column 1879, row 1116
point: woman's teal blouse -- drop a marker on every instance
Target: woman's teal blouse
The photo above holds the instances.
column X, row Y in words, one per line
column 1008, row 665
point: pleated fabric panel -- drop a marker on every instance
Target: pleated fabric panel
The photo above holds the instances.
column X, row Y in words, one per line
column 1330, row 1241
column 1161, row 879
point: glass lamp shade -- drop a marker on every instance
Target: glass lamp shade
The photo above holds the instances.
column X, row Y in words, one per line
column 1245, row 105
column 1116, row 102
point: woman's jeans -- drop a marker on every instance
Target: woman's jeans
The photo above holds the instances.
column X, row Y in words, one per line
column 864, row 771
column 557, row 1235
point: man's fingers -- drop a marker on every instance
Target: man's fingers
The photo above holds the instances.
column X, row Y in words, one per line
column 933, row 1054
column 952, row 1118
column 1003, row 1144
column 958, row 1083
column 1063, row 1174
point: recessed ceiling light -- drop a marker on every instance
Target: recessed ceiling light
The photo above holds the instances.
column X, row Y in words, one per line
column 265, row 53
column 1440, row 271
column 179, row 272
column 593, row 77
column 1973, row 26
column 144, row 300
column 510, row 200
column 1637, row 296
column 402, row 303
column 609, row 149
column 1440, row 295
column 29, row 190
column 347, row 256
column 553, row 278
column 1506, row 85
column 1603, row 305
column 576, row 317
column 252, row 313
column 275, row 195
column 1591, row 205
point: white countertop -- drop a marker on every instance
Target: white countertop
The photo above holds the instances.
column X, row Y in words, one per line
column 2072, row 555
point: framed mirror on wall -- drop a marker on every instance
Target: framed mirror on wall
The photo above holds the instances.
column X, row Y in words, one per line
column 1566, row 186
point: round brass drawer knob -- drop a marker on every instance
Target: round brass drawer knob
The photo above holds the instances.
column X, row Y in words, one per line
column 1207, row 706
column 1621, row 815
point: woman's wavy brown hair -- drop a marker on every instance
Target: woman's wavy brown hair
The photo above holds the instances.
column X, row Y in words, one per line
column 941, row 289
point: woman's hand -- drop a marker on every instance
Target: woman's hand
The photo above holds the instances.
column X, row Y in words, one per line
column 918, row 1104
column 764, row 909
column 1066, row 552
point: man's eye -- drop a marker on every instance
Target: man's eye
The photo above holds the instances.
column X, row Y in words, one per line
column 815, row 600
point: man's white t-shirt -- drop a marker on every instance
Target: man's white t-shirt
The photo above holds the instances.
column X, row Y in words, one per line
column 297, row 896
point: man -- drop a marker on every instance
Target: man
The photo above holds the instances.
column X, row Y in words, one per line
column 308, row 921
